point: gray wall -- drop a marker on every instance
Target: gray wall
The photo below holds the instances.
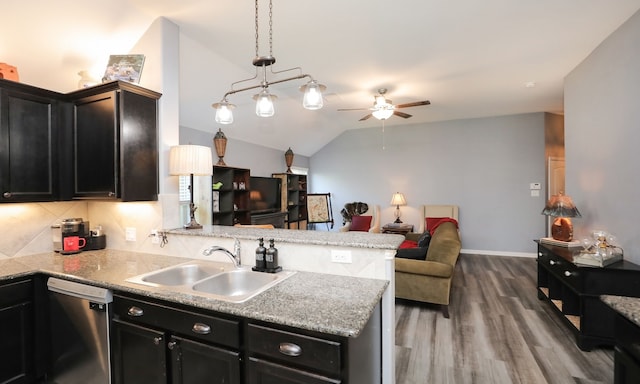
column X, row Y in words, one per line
column 262, row 161
column 602, row 127
column 482, row 165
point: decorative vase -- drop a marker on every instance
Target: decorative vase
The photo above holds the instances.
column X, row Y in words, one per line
column 288, row 158
column 220, row 142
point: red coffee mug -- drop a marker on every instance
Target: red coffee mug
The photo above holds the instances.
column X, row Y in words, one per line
column 73, row 243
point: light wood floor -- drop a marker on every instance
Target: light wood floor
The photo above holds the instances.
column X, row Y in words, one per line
column 499, row 332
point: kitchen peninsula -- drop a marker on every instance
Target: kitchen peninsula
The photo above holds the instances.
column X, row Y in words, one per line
column 342, row 305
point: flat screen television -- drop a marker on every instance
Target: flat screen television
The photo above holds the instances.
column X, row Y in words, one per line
column 265, row 194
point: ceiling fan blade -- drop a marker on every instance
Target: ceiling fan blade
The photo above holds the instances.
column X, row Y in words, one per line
column 402, row 114
column 414, row 104
column 352, row 109
column 366, row 117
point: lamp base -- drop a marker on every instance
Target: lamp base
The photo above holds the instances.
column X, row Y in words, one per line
column 193, row 224
column 398, row 221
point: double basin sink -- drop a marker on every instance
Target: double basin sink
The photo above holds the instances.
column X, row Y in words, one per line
column 217, row 280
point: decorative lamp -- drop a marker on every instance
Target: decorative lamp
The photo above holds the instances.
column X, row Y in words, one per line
column 312, row 98
column 562, row 208
column 288, row 159
column 398, row 199
column 191, row 160
column 220, row 144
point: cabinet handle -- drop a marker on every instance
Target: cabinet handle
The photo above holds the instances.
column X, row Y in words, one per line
column 172, row 344
column 201, row 329
column 135, row 311
column 157, row 340
column 290, row 349
column 111, row 194
column 7, row 195
column 567, row 273
column 553, row 262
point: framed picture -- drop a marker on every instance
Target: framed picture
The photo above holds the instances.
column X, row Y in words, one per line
column 319, row 208
column 124, row 67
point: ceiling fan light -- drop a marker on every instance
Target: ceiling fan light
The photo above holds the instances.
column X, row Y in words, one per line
column 264, row 104
column 380, row 101
column 312, row 99
column 382, row 114
column 224, row 115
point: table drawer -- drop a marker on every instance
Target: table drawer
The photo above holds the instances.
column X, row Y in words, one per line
column 295, row 349
column 196, row 326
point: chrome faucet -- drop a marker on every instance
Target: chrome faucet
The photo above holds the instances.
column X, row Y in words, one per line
column 234, row 256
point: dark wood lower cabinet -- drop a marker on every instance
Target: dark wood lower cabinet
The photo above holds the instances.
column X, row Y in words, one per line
column 264, row 372
column 195, row 363
column 149, row 346
column 627, row 351
column 23, row 330
column 140, row 354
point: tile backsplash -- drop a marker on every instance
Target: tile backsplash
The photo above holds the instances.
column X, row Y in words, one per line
column 26, row 228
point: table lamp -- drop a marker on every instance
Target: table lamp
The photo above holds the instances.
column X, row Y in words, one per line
column 191, row 160
column 398, row 199
column 562, row 208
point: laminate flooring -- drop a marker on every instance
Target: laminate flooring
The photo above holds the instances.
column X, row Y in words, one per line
column 498, row 332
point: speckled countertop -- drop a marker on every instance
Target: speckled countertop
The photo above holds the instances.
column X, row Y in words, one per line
column 628, row 307
column 352, row 239
column 330, row 304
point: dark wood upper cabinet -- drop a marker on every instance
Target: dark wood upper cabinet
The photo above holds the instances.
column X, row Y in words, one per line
column 28, row 143
column 95, row 143
column 115, row 142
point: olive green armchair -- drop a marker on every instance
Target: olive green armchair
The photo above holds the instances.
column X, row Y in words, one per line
column 429, row 280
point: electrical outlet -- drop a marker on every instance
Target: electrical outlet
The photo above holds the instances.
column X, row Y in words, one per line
column 130, row 234
column 341, row 256
column 155, row 239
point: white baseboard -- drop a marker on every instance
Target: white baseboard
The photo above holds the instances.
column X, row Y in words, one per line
column 498, row 253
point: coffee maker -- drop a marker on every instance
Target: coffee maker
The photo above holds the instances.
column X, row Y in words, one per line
column 80, row 228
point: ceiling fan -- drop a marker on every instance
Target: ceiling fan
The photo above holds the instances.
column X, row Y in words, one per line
column 383, row 108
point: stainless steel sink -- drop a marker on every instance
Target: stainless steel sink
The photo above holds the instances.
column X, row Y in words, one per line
column 217, row 280
column 240, row 282
column 180, row 275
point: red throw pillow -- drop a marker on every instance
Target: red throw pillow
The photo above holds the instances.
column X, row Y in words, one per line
column 360, row 223
column 408, row 244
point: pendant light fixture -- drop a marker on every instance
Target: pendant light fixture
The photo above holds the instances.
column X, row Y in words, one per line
column 312, row 99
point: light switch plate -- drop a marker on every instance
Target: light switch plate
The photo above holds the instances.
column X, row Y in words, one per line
column 130, row 234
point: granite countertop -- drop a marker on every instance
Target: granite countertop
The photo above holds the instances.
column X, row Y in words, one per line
column 351, row 239
column 628, row 307
column 330, row 304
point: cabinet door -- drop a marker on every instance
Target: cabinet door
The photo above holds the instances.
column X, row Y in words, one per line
column 263, row 372
column 28, row 147
column 95, row 131
column 16, row 333
column 196, row 363
column 139, row 354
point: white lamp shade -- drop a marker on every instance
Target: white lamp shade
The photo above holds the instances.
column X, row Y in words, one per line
column 190, row 159
column 398, row 199
column 264, row 104
column 312, row 99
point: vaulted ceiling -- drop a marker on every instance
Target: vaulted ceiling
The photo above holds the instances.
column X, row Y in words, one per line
column 469, row 58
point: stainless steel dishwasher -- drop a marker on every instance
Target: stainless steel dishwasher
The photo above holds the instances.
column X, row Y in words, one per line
column 80, row 322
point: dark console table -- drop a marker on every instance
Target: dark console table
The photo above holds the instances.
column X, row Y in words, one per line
column 275, row 218
column 574, row 292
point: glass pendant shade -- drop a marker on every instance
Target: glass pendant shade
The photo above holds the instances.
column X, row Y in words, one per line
column 224, row 115
column 264, row 104
column 312, row 99
column 382, row 114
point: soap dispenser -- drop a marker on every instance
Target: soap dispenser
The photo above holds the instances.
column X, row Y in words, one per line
column 261, row 252
column 272, row 258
